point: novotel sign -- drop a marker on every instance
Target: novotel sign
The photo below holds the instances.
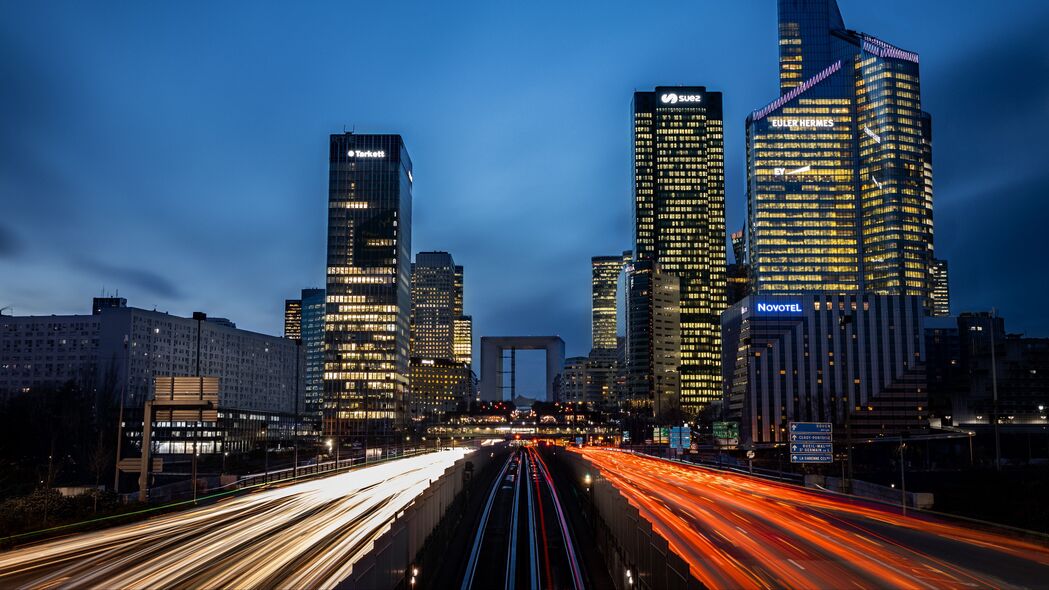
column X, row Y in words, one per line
column 778, row 308
column 802, row 123
column 366, row 153
column 674, row 98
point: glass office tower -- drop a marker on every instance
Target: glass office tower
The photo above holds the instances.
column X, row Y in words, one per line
column 313, row 308
column 368, row 285
column 839, row 170
column 679, row 220
column 604, row 287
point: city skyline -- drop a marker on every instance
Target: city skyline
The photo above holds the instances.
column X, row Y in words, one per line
column 226, row 248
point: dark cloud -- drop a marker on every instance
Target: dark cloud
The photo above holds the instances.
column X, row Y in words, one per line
column 146, row 280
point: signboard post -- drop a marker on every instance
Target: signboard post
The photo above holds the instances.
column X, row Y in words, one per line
column 811, row 442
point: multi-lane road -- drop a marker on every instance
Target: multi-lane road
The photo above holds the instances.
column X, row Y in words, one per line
column 523, row 539
column 305, row 535
column 743, row 532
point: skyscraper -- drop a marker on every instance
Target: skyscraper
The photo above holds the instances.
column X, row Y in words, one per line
column 839, row 175
column 679, row 220
column 654, row 341
column 941, row 289
column 293, row 318
column 313, row 307
column 368, row 286
column 439, row 376
column 464, row 340
column 604, row 287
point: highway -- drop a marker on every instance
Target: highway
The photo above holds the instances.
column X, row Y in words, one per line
column 304, row 535
column 523, row 539
column 737, row 531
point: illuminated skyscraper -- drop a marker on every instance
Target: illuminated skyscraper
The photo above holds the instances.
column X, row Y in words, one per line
column 654, row 342
column 839, row 173
column 439, row 374
column 368, row 290
column 941, row 289
column 604, row 287
column 679, row 220
column 293, row 318
column 464, row 340
column 313, row 308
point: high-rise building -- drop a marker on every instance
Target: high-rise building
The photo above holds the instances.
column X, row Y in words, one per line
column 436, row 303
column 679, row 220
column 856, row 360
column 368, row 285
column 654, row 342
column 604, row 289
column 313, row 306
column 941, row 290
column 293, row 319
column 573, row 382
column 464, row 340
column 440, row 369
column 737, row 273
column 839, row 171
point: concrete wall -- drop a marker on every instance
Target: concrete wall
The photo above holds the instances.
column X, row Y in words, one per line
column 864, row 489
column 389, row 562
column 626, row 539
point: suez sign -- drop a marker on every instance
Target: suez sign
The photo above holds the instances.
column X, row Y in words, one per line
column 675, row 98
column 810, row 123
column 366, row 154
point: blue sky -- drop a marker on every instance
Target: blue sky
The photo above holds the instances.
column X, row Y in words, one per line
column 177, row 152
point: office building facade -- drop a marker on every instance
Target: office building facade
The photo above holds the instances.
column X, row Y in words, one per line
column 312, row 332
column 839, row 168
column 293, row 319
column 440, row 363
column 604, row 299
column 368, row 294
column 653, row 345
column 941, row 288
column 855, row 360
column 679, row 221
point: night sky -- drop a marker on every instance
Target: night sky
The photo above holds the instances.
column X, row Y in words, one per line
column 178, row 152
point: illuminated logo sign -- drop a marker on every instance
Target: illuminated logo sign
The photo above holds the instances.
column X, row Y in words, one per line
column 802, row 123
column 366, row 153
column 778, row 308
column 672, row 98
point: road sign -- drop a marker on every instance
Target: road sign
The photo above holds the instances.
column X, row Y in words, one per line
column 726, row 433
column 820, row 447
column 680, row 437
column 811, row 427
column 811, row 442
column 811, row 458
column 811, row 437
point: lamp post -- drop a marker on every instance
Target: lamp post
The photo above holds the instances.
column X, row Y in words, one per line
column 903, row 479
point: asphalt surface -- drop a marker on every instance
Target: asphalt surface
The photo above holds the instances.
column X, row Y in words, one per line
column 305, row 535
column 737, row 531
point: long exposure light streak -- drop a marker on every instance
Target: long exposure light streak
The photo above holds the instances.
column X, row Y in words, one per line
column 744, row 532
column 305, row 535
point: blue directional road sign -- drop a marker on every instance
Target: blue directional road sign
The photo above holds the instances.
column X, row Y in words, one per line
column 680, row 437
column 825, row 448
column 811, row 442
column 811, row 458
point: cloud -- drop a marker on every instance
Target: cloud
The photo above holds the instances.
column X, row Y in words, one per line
column 143, row 279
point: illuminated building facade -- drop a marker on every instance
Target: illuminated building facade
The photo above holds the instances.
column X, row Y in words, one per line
column 679, row 221
column 313, row 306
column 366, row 353
column 941, row 289
column 856, row 360
column 463, row 329
column 653, row 346
column 737, row 273
column 439, row 376
column 293, row 318
column 839, row 171
column 604, row 289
